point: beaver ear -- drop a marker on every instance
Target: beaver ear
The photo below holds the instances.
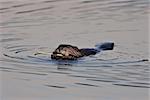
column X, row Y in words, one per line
column 76, row 48
column 59, row 46
column 57, row 50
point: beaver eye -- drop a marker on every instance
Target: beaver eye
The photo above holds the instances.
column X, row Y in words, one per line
column 63, row 52
column 57, row 50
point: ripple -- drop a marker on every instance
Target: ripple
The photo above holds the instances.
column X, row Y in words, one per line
column 14, row 57
column 21, row 5
column 33, row 73
column 10, row 39
column 34, row 10
column 55, row 86
column 8, row 68
column 87, row 84
column 128, row 85
column 51, row 1
column 100, row 80
column 82, row 76
column 18, row 46
column 4, row 8
column 91, row 1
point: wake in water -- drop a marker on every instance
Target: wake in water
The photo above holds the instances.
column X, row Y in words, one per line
column 106, row 69
column 19, row 54
column 86, row 60
column 90, row 59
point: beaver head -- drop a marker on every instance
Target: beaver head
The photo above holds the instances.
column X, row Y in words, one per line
column 68, row 52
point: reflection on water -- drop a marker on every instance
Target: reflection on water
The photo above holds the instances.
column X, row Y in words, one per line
column 41, row 25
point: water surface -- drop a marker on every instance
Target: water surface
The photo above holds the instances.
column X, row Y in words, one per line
column 27, row 27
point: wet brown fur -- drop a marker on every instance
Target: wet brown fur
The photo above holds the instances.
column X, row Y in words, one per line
column 68, row 52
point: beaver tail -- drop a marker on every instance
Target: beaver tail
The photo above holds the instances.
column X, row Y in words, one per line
column 105, row 46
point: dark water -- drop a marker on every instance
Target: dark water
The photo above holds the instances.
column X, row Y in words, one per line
column 27, row 27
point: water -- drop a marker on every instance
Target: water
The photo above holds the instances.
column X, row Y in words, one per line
column 27, row 27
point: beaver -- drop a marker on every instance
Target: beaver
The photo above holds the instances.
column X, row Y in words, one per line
column 70, row 52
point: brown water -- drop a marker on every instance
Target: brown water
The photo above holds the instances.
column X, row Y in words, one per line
column 27, row 27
